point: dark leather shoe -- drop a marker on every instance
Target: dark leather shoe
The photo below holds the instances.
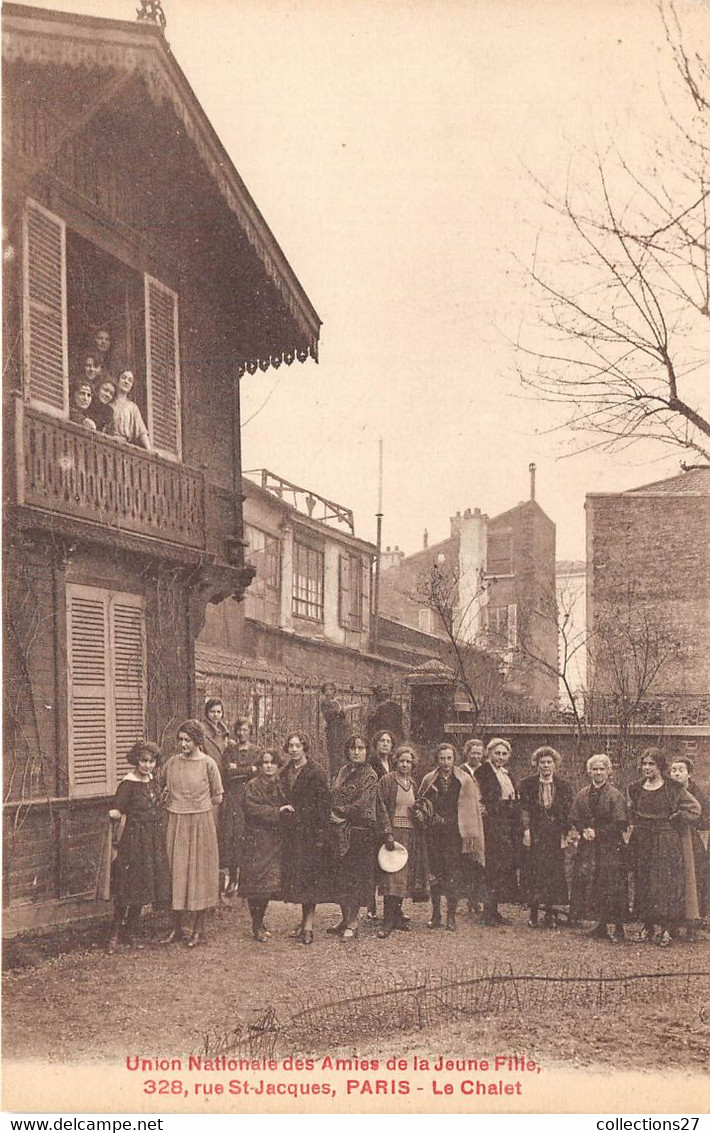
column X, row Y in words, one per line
column 306, row 936
column 336, row 929
column 195, row 939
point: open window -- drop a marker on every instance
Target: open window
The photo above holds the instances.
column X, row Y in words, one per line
column 79, row 304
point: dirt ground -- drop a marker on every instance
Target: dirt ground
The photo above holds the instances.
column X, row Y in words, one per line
column 81, row 1004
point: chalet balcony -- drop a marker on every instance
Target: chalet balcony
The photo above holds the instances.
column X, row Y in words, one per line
column 64, row 469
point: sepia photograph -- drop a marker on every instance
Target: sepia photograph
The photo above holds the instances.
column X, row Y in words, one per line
column 356, row 526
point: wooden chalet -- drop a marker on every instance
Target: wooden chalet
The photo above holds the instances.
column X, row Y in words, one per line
column 124, row 215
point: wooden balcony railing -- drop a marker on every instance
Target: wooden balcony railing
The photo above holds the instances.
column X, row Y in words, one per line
column 64, row 468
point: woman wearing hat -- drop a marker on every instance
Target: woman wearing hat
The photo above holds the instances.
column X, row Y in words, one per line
column 404, row 870
column 545, row 799
column 353, row 799
column 454, row 833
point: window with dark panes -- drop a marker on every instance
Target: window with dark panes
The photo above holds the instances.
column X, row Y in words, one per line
column 261, row 600
column 87, row 315
column 308, row 582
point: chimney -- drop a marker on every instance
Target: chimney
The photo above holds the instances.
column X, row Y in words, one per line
column 426, row 538
column 456, row 523
column 531, row 470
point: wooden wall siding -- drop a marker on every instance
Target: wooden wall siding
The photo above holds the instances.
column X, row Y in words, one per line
column 74, row 472
column 31, row 854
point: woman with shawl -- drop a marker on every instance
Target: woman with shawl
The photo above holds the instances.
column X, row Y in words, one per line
column 695, row 851
column 353, row 801
column 454, row 833
column 659, row 810
column 599, row 879
column 260, row 873
column 545, row 800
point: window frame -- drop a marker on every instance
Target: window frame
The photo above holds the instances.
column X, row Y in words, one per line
column 270, row 579
column 351, row 597
column 302, row 548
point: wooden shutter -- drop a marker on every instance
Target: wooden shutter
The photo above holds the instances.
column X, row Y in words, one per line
column 128, row 655
column 162, row 368
column 344, row 591
column 44, row 316
column 106, row 672
column 87, row 648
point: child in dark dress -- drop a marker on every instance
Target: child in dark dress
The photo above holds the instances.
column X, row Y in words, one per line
column 140, row 874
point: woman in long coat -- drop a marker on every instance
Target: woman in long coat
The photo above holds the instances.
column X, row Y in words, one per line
column 260, row 874
column 658, row 811
column 401, row 820
column 501, row 825
column 306, row 860
column 454, row 834
column 353, row 798
column 545, row 800
column 337, row 726
column 382, row 762
column 600, row 888
column 698, row 874
column 193, row 788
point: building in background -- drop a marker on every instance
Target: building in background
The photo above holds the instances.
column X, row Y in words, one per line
column 305, row 620
column 131, row 241
column 648, row 594
column 571, row 590
column 500, row 575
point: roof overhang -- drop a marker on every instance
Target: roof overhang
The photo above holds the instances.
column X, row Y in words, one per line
column 37, row 36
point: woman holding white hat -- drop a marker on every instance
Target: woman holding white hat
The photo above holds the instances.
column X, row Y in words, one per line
column 404, row 845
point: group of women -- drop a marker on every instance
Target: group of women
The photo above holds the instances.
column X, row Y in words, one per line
column 273, row 827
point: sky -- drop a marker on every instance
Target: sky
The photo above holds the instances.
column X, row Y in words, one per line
column 396, row 149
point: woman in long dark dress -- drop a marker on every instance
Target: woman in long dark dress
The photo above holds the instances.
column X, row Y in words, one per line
column 193, row 789
column 240, row 760
column 260, row 878
column 501, row 824
column 598, row 820
column 306, row 865
column 401, row 819
column 454, row 833
column 545, row 801
column 381, row 760
column 658, row 811
column 697, row 904
column 353, row 798
column 140, row 875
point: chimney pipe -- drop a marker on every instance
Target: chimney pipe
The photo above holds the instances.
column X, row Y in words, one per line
column 426, row 538
column 531, row 470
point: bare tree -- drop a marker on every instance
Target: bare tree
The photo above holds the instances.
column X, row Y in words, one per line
column 560, row 612
column 622, row 337
column 630, row 652
column 478, row 671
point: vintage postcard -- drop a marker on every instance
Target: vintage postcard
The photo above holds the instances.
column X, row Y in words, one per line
column 357, row 557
